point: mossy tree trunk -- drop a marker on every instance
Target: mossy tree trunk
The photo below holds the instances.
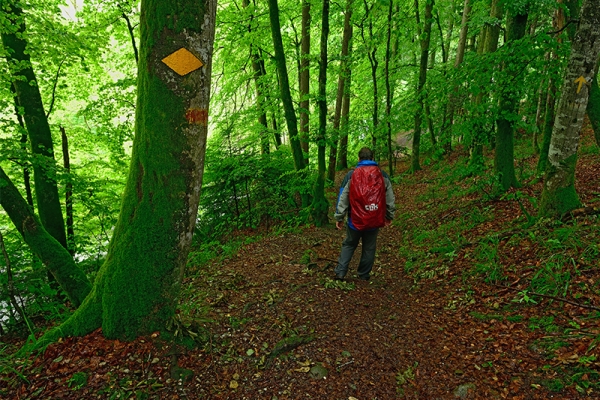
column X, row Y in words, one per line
column 509, row 99
column 284, row 86
column 559, row 195
column 319, row 205
column 52, row 254
column 137, row 287
column 415, row 164
column 38, row 129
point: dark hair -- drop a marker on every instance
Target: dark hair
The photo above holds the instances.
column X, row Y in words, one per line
column 365, row 154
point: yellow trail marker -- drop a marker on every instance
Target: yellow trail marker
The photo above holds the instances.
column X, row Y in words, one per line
column 182, row 61
column 581, row 80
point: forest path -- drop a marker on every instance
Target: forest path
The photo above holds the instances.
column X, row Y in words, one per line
column 426, row 326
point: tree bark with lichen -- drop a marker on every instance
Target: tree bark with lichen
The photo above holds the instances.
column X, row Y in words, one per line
column 559, row 196
column 137, row 288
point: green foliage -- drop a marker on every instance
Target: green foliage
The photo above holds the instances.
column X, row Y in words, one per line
column 244, row 189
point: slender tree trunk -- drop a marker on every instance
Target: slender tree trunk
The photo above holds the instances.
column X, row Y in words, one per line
column 68, row 192
column 52, row 254
column 40, row 137
column 559, row 196
column 548, row 125
column 448, row 120
column 258, row 81
column 541, row 108
column 489, row 44
column 341, row 90
column 26, row 176
column 388, row 89
column 420, row 95
column 593, row 107
column 304, row 75
column 10, row 283
column 284, row 86
column 136, row 289
column 558, row 24
column 372, row 55
column 504, row 155
column 343, row 153
column 319, row 204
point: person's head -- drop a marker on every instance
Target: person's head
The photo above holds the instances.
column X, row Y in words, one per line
column 365, row 154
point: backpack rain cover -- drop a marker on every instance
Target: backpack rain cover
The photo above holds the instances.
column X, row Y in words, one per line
column 367, row 198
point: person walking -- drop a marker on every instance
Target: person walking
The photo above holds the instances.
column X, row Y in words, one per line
column 367, row 198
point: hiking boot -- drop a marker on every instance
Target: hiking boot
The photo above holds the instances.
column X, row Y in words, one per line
column 339, row 277
column 364, row 278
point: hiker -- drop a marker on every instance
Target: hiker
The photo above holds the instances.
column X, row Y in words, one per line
column 366, row 195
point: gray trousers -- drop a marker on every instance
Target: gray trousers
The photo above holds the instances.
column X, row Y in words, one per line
column 367, row 257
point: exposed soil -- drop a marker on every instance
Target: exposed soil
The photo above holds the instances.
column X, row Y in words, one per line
column 442, row 334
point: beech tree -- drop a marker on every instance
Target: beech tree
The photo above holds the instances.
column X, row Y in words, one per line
column 559, row 195
column 136, row 289
column 28, row 97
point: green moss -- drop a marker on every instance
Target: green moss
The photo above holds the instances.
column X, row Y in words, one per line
column 562, row 197
column 559, row 202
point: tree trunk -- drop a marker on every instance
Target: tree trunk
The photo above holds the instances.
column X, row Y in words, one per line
column 558, row 24
column 341, row 90
column 342, row 159
column 388, row 90
column 40, row 137
column 304, row 75
column 504, row 155
column 559, row 196
column 548, row 125
column 593, row 107
column 260, row 90
column 284, row 86
column 68, row 192
column 489, row 44
column 137, row 287
column 425, row 41
column 448, row 120
column 319, row 204
column 372, row 55
column 52, row 254
column 26, row 176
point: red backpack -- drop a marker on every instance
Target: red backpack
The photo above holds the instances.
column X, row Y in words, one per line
column 367, row 198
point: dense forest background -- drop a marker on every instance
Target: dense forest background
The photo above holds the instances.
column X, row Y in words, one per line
column 297, row 88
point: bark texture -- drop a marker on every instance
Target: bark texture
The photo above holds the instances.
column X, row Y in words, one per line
column 559, row 196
